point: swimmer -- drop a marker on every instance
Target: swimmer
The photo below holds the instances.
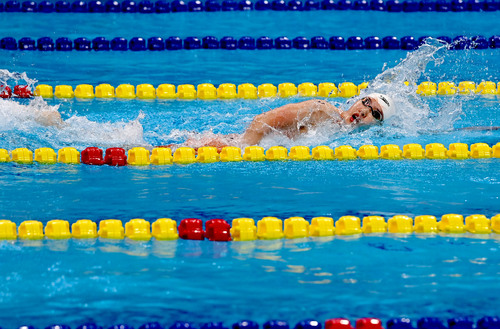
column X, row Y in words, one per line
column 295, row 119
column 291, row 120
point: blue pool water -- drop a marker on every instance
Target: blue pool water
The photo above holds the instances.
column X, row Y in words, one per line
column 125, row 282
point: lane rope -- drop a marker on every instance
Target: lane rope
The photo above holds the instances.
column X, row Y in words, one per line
column 140, row 156
column 226, row 91
column 244, row 43
column 245, row 229
column 161, row 6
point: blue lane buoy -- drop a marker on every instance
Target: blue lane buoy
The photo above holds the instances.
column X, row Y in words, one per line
column 245, row 5
column 479, row 42
column 137, row 44
column 129, row 6
column 460, row 323
column 210, row 42
column 279, row 5
column 373, row 43
column 301, row 43
column 12, row 6
column 89, row 326
column 458, row 5
column 494, row 41
column 409, row 43
column 319, row 43
column 427, row 5
column 474, row 5
column 213, row 325
column 247, row 43
column 246, row 325
column 146, row 7
column 311, row 5
column 29, row 7
column 491, row 5
column 344, row 5
column 64, row 44
column 283, row 43
column 45, row 7
column 276, row 324
column 378, row 5
column 119, row 44
column 151, row 325
column 192, row 43
column 156, row 44
column 229, row 5
column 58, row 326
column 100, row 44
column 337, row 43
column 361, row 5
column 182, row 325
column 178, row 6
column 113, row 6
column 162, row 7
column 265, row 43
column 82, row 44
column 228, row 43
column 399, row 323
column 411, row 6
column 295, row 5
column 442, row 6
column 174, row 43
column 96, row 6
column 63, row 7
column 308, row 324
column 430, row 323
column 26, row 44
column 394, row 6
column 121, row 326
column 212, row 6
column 263, row 5
column 328, row 5
column 460, row 42
column 8, row 43
column 45, row 44
column 488, row 322
column 390, row 42
column 79, row 7
column 195, row 6
column 354, row 43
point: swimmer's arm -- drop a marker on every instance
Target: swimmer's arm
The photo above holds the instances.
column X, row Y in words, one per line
column 287, row 116
column 49, row 118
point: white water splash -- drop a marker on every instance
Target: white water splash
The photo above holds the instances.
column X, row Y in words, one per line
column 38, row 124
column 32, row 125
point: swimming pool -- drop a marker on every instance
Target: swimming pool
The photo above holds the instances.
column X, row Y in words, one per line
column 385, row 276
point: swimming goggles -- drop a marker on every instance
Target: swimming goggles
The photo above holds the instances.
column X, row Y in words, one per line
column 366, row 101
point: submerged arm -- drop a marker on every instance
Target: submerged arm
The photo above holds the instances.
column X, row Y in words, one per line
column 49, row 118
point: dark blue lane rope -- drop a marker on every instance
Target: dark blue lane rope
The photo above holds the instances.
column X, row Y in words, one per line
column 162, row 6
column 245, row 43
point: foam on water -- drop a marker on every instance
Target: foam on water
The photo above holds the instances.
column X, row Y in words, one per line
column 38, row 124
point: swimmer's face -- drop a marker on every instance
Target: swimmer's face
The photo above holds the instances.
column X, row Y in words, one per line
column 365, row 111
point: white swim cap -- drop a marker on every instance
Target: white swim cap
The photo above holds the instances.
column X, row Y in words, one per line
column 386, row 103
